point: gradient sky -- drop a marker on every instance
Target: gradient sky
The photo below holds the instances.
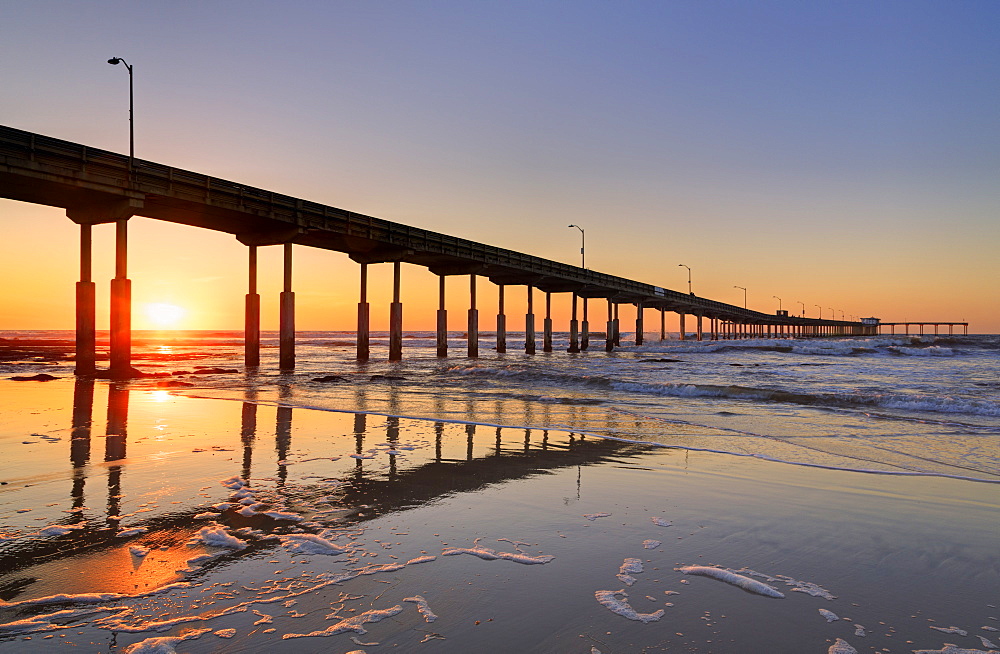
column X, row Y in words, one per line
column 840, row 154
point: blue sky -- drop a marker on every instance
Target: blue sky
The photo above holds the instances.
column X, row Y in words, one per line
column 847, row 152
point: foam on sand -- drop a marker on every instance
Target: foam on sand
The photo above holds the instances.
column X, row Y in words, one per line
column 829, row 615
column 629, row 566
column 841, row 647
column 746, row 583
column 217, row 536
column 661, row 522
column 354, row 623
column 311, row 544
column 163, row 644
column 950, row 648
column 422, row 606
column 621, row 606
column 651, row 544
column 488, row 554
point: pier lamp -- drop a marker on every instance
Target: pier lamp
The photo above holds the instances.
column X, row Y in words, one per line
column 114, row 61
column 744, row 295
column 833, row 314
column 803, row 307
column 690, row 292
column 583, row 246
column 820, row 311
column 841, row 313
column 779, row 301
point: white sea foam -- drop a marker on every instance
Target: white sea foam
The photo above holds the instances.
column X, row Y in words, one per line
column 651, row 544
column 595, row 516
column 621, row 606
column 488, row 554
column 829, row 615
column 661, row 522
column 422, row 607
column 163, row 644
column 841, row 647
column 629, row 566
column 986, row 642
column 950, row 648
column 951, row 630
column 217, row 536
column 354, row 623
column 729, row 577
column 311, row 544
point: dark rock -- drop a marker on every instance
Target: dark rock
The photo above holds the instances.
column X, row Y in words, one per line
column 172, row 383
column 212, row 371
column 329, row 378
column 38, row 377
column 386, row 378
column 660, row 361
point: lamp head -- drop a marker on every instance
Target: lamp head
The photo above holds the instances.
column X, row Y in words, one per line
column 114, row 61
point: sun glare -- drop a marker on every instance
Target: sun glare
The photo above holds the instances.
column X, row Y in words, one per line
column 164, row 316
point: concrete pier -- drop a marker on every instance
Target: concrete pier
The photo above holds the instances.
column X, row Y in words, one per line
column 663, row 325
column 547, row 324
column 442, row 321
column 251, row 322
column 529, row 323
column 121, row 306
column 501, row 322
column 286, row 317
column 683, row 329
column 617, row 330
column 699, row 335
column 395, row 318
column 585, row 329
column 364, row 317
column 473, row 328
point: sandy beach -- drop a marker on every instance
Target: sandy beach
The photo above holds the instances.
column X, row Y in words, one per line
column 221, row 525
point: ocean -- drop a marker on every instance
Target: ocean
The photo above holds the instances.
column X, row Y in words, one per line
column 590, row 502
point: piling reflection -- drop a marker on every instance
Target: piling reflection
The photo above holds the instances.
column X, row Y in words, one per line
column 79, row 452
column 114, row 446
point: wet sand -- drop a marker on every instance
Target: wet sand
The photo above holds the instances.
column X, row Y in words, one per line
column 274, row 522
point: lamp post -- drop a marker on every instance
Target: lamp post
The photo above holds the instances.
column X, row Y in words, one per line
column 841, row 313
column 803, row 307
column 690, row 292
column 820, row 311
column 744, row 295
column 583, row 246
column 779, row 301
column 833, row 314
column 114, row 61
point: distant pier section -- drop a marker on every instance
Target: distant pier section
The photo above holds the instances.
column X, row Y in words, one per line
column 97, row 186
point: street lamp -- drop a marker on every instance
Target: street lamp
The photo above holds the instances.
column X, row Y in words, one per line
column 744, row 295
column 820, row 311
column 803, row 307
column 114, row 61
column 583, row 246
column 841, row 313
column 833, row 314
column 779, row 301
column 690, row 292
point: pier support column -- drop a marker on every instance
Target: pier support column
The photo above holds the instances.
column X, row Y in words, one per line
column 574, row 330
column 699, row 335
column 364, row 317
column 121, row 306
column 86, row 309
column 501, row 323
column 681, row 327
column 529, row 323
column 442, row 321
column 714, row 326
column 395, row 318
column 663, row 325
column 547, row 324
column 618, row 331
column 473, row 320
column 609, row 335
column 251, row 321
column 585, row 329
column 639, row 326
column 286, row 318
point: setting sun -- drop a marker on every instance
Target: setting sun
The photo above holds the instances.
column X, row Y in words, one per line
column 163, row 315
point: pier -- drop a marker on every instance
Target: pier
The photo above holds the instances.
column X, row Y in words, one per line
column 97, row 186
